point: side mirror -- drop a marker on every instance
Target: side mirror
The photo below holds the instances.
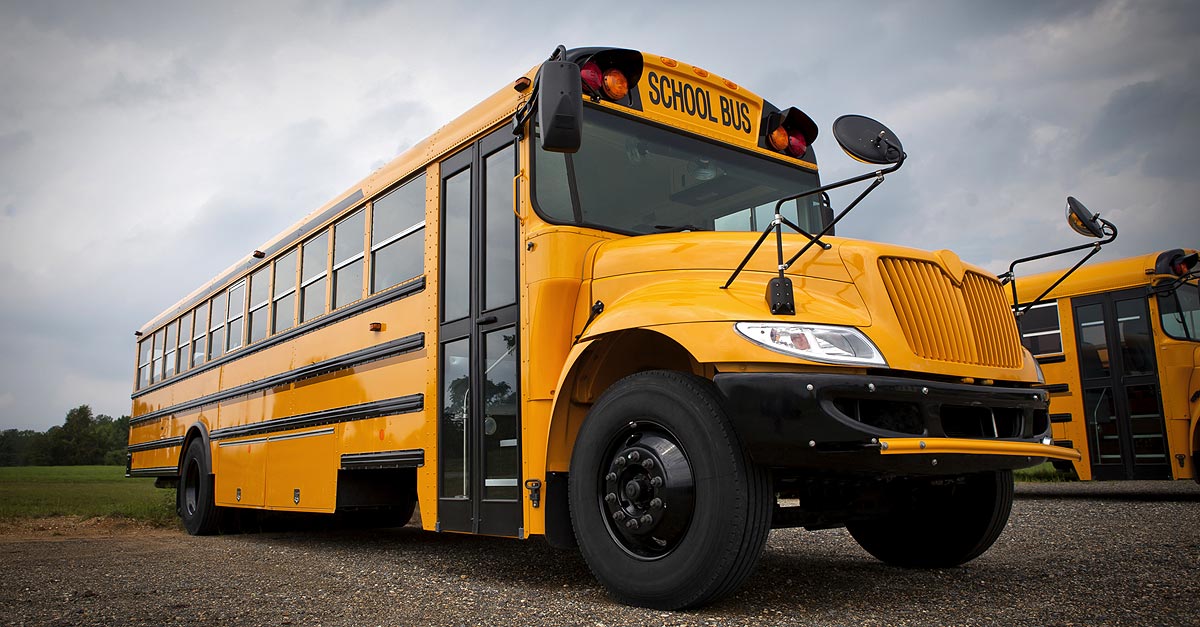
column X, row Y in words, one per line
column 1083, row 222
column 560, row 106
column 867, row 140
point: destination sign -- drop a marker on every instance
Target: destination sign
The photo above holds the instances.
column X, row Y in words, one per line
column 716, row 107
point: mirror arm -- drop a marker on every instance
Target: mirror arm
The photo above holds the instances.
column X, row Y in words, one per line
column 829, row 227
column 1010, row 277
column 523, row 113
column 812, row 239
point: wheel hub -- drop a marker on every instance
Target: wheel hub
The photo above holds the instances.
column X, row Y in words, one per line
column 647, row 492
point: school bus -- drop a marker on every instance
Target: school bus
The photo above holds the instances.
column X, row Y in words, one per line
column 555, row 317
column 1119, row 343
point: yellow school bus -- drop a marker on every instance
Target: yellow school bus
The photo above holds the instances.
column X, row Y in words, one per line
column 1119, row 342
column 575, row 312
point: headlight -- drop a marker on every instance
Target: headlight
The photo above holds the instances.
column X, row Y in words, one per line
column 816, row 342
column 1041, row 375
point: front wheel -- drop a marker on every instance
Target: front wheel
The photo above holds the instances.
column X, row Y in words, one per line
column 938, row 523
column 668, row 510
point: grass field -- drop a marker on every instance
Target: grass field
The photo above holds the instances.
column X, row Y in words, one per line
column 83, row 491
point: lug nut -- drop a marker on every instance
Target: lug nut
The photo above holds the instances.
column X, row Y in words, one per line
column 631, row 524
column 618, row 515
column 647, row 463
column 610, row 498
column 612, row 476
column 647, row 519
column 634, row 456
column 655, row 503
column 656, row 482
column 620, row 462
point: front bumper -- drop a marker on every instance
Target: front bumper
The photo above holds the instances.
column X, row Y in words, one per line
column 867, row 423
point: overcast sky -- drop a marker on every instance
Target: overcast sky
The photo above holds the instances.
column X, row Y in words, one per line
column 146, row 146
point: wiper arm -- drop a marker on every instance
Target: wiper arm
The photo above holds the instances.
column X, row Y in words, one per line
column 664, row 228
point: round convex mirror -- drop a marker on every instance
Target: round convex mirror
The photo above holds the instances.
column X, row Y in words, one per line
column 1084, row 222
column 867, row 140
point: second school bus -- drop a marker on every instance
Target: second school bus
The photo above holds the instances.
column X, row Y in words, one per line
column 555, row 317
column 1120, row 345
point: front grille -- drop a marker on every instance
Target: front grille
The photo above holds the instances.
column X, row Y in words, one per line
column 968, row 323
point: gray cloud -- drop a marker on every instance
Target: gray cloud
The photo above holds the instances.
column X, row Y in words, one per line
column 147, row 146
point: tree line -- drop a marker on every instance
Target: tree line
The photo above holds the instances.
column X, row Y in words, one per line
column 82, row 439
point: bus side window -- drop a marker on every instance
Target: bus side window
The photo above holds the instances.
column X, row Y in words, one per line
column 348, row 258
column 1040, row 332
column 398, row 235
column 313, row 264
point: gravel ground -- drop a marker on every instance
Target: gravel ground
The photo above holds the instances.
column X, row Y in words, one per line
column 1073, row 554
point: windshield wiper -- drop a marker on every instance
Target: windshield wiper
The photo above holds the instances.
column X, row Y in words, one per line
column 663, row 228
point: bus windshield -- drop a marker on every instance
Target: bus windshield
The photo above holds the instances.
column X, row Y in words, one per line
column 636, row 178
column 1180, row 312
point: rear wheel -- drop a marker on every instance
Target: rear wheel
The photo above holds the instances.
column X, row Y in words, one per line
column 195, row 493
column 668, row 510
column 938, row 523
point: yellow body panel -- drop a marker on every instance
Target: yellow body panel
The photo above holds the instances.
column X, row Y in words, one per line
column 1178, row 361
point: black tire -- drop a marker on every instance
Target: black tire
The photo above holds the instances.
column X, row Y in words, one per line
column 690, row 541
column 939, row 523
column 194, row 497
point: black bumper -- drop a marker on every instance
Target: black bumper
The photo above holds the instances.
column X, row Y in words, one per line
column 837, row 422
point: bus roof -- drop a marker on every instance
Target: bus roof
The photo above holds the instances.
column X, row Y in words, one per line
column 1092, row 278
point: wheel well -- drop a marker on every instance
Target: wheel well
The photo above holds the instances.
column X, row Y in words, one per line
column 196, row 431
column 609, row 359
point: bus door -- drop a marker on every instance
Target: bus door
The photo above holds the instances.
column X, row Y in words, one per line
column 1122, row 403
column 479, row 434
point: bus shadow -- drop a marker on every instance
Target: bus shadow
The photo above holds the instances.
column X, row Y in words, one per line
column 1133, row 491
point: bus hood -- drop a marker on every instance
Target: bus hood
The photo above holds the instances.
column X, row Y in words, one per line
column 710, row 251
column 928, row 311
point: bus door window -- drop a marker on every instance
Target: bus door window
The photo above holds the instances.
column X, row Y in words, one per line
column 1118, row 374
column 480, row 473
column 1093, row 342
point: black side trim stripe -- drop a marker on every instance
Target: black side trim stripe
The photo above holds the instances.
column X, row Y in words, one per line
column 378, row 300
column 386, row 407
column 1060, row 417
column 349, row 360
column 1057, row 388
column 223, row 281
column 1051, row 359
column 155, row 444
column 160, row 471
column 409, row 458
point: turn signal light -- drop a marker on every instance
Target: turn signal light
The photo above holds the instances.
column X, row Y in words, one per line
column 779, row 138
column 610, row 74
column 615, row 84
column 791, row 132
